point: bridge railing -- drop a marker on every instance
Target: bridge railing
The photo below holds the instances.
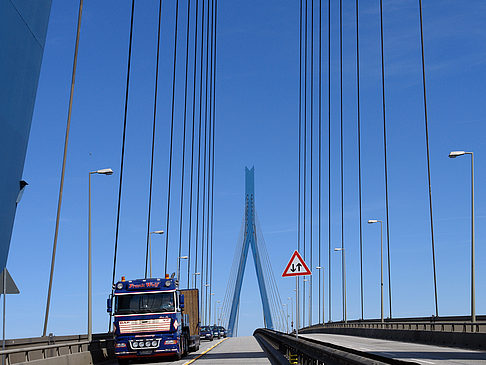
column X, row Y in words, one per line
column 465, row 327
column 45, row 348
column 308, row 351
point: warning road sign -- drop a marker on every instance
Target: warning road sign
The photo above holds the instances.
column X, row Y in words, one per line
column 296, row 266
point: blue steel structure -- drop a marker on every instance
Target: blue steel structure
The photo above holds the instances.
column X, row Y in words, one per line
column 250, row 240
column 23, row 30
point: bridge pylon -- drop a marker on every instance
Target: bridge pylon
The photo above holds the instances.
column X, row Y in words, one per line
column 250, row 240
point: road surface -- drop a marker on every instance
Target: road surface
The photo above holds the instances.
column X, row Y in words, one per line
column 231, row 350
column 421, row 354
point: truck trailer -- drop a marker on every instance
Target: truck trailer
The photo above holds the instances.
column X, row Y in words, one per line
column 154, row 318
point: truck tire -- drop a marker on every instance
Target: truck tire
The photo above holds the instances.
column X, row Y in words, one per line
column 185, row 350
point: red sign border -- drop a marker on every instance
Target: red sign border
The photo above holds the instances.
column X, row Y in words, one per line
column 296, row 253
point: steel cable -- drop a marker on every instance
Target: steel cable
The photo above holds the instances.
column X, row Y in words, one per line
column 359, row 163
column 428, row 160
column 153, row 138
column 384, row 143
column 171, row 137
column 192, row 146
column 184, row 143
column 122, row 155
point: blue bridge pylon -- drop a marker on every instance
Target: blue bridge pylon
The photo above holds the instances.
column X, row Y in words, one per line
column 266, row 283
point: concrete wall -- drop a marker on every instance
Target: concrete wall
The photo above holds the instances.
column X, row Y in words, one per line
column 23, row 29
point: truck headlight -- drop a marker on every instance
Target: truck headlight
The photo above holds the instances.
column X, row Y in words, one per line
column 154, row 343
column 134, row 344
column 119, row 286
column 141, row 344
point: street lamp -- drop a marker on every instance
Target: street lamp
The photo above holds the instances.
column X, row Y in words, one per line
column 371, row 221
column 455, row 154
column 90, row 323
column 323, row 282
column 344, row 281
column 195, row 274
column 209, row 309
column 179, row 266
column 150, row 247
column 291, row 313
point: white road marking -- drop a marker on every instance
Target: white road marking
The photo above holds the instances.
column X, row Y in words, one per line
column 425, row 361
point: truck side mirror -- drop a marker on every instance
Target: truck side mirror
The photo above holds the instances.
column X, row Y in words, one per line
column 108, row 305
column 181, row 301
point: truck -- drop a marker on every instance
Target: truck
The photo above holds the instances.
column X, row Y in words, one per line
column 154, row 318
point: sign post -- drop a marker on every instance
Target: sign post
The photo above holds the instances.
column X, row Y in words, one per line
column 296, row 267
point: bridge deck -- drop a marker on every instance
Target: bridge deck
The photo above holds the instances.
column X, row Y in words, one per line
column 232, row 350
column 422, row 354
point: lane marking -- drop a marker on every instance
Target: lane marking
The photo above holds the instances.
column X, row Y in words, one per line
column 425, row 361
column 209, row 349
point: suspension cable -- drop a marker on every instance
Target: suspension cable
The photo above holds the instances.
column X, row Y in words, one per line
column 210, row 168
column 342, row 149
column 384, row 144
column 63, row 169
column 359, row 162
column 153, row 139
column 199, row 145
column 192, row 148
column 203, row 245
column 320, row 150
column 305, row 149
column 428, row 160
column 184, row 143
column 171, row 136
column 122, row 155
column 311, row 153
column 329, row 151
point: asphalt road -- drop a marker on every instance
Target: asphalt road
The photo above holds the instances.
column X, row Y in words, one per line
column 421, row 354
column 232, row 350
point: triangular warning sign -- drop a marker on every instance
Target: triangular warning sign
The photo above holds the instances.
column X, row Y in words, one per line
column 10, row 287
column 296, row 266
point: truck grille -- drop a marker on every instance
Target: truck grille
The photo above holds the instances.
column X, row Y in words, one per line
column 145, row 325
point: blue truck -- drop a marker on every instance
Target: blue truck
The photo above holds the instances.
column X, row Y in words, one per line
column 154, row 318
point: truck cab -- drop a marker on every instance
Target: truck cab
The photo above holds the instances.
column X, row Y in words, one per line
column 153, row 318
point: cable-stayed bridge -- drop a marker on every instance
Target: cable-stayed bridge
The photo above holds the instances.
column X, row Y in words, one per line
column 192, row 140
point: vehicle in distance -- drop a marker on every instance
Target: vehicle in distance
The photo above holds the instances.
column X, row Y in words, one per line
column 222, row 331
column 154, row 318
column 215, row 331
column 206, row 333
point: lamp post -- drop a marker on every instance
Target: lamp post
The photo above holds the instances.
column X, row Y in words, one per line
column 323, row 296
column 344, row 281
column 216, row 314
column 291, row 313
column 194, row 282
column 455, row 154
column 150, row 248
column 179, row 266
column 371, row 221
column 90, row 322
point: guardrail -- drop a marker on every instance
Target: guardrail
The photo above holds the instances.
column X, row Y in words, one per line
column 49, row 347
column 464, row 327
column 308, row 351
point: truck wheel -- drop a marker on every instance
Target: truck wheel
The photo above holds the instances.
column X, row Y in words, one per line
column 186, row 348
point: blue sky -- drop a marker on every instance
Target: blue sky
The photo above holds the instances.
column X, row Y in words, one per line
column 257, row 125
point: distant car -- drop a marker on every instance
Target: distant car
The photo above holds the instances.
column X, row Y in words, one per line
column 222, row 331
column 207, row 333
column 215, row 331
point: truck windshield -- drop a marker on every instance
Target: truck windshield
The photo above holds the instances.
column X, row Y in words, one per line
column 144, row 303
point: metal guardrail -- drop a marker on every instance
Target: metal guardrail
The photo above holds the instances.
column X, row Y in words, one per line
column 308, row 351
column 41, row 348
column 464, row 327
